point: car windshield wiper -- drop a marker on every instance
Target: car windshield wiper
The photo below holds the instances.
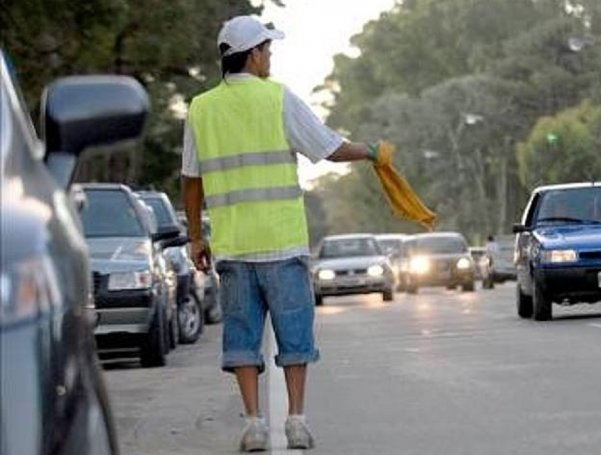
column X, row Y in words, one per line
column 568, row 219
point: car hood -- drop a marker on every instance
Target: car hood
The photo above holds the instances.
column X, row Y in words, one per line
column 113, row 254
column 361, row 262
column 571, row 236
column 445, row 256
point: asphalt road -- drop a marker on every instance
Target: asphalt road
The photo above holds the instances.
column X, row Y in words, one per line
column 442, row 372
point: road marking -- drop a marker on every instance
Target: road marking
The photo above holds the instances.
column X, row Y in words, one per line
column 277, row 399
column 594, row 324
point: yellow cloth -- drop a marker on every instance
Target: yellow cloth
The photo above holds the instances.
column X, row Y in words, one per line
column 401, row 196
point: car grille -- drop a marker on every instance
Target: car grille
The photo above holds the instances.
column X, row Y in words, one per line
column 97, row 281
column 590, row 255
column 351, row 272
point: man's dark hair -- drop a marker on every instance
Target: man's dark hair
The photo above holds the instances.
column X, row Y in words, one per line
column 234, row 63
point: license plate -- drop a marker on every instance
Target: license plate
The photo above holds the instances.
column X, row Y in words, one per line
column 599, row 279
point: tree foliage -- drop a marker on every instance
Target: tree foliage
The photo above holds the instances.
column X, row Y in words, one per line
column 456, row 84
column 169, row 46
column 563, row 148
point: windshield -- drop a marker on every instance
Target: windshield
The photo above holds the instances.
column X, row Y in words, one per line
column 160, row 211
column 341, row 248
column 390, row 246
column 574, row 205
column 110, row 214
column 439, row 245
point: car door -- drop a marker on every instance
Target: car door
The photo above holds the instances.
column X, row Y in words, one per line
column 49, row 376
column 524, row 245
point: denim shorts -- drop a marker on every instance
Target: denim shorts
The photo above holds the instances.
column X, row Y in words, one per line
column 251, row 289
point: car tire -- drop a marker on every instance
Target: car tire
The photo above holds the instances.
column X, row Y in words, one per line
column 542, row 307
column 388, row 295
column 318, row 300
column 450, row 287
column 412, row 289
column 153, row 351
column 191, row 320
column 488, row 283
column 468, row 287
column 173, row 331
column 212, row 314
column 524, row 303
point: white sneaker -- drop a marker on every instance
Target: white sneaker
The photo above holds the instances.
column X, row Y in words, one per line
column 298, row 433
column 255, row 435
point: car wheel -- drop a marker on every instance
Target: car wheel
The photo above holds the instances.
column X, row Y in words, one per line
column 173, row 331
column 450, row 287
column 542, row 306
column 318, row 300
column 487, row 283
column 191, row 320
column 212, row 314
column 401, row 286
column 412, row 288
column 388, row 295
column 524, row 303
column 153, row 350
column 468, row 287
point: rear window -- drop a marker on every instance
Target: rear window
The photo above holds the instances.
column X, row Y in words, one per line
column 341, row 248
column 110, row 214
column 440, row 245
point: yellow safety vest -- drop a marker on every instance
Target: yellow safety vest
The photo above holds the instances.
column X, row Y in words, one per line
column 249, row 171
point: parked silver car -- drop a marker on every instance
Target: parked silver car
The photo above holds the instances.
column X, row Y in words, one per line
column 352, row 264
column 134, row 288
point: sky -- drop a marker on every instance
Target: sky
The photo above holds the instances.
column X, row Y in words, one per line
column 315, row 31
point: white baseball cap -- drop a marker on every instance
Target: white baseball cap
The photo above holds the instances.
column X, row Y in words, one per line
column 245, row 32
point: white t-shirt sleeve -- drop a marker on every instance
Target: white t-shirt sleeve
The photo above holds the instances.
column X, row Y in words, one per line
column 190, row 162
column 305, row 132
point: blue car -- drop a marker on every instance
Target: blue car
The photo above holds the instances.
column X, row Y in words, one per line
column 558, row 249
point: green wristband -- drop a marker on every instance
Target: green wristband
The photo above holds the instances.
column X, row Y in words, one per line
column 374, row 151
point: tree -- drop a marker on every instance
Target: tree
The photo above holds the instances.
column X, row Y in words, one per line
column 563, row 148
column 455, row 84
column 168, row 46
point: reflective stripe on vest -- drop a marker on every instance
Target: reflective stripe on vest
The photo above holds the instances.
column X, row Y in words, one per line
column 247, row 159
column 255, row 194
column 249, row 173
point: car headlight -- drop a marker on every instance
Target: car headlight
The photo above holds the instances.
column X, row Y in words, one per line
column 419, row 265
column 326, row 274
column 27, row 289
column 558, row 256
column 375, row 270
column 463, row 264
column 130, row 280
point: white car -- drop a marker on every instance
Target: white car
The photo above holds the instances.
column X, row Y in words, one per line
column 352, row 264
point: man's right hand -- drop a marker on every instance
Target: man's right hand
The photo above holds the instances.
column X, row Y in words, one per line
column 381, row 153
column 201, row 255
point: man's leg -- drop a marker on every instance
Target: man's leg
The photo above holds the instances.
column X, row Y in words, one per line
column 298, row 433
column 295, row 382
column 248, row 382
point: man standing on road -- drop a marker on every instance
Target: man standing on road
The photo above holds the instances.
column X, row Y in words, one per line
column 239, row 159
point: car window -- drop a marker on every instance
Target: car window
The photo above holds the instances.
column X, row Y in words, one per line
column 440, row 245
column 109, row 213
column 5, row 126
column 389, row 246
column 349, row 247
column 572, row 205
column 160, row 211
column 14, row 117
